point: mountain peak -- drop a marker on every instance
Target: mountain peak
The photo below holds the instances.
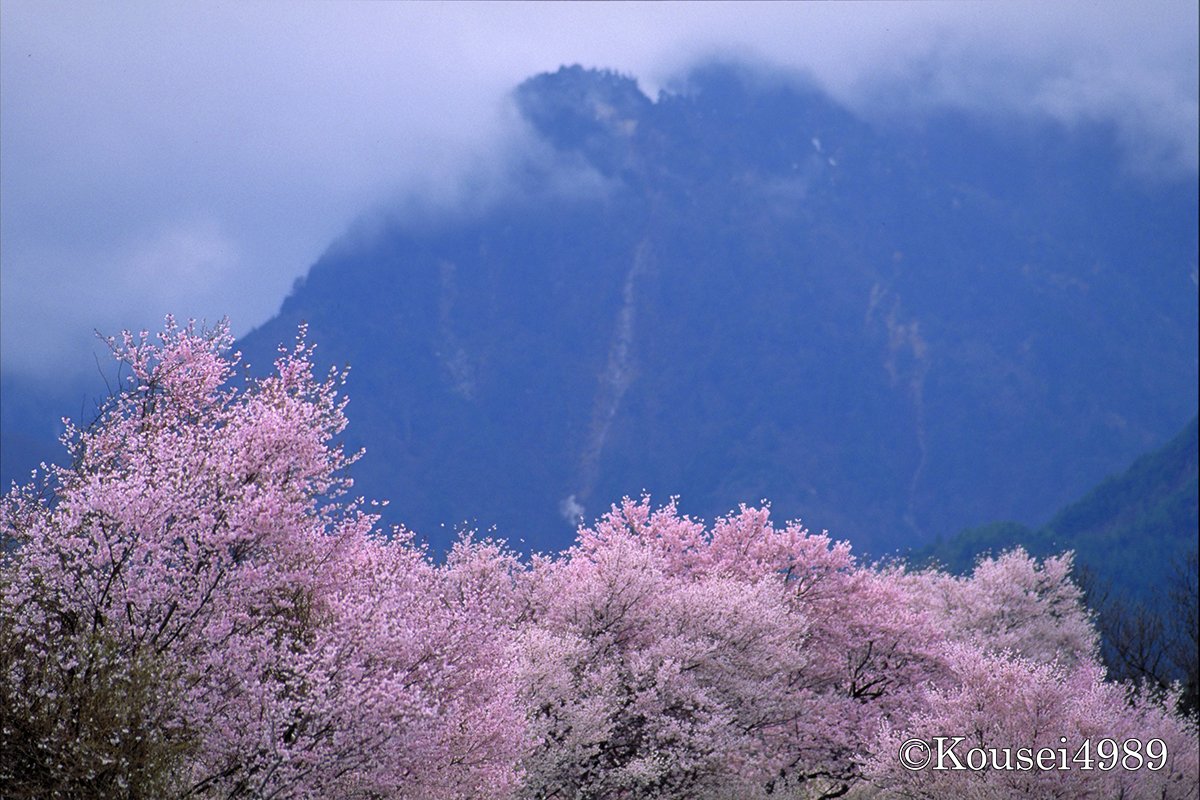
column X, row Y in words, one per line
column 590, row 111
column 891, row 333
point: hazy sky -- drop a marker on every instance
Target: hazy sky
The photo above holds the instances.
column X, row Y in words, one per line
column 196, row 158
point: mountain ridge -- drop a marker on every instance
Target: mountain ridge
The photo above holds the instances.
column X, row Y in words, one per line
column 750, row 292
column 769, row 298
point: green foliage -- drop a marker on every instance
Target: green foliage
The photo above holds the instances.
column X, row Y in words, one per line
column 1127, row 533
column 1132, row 528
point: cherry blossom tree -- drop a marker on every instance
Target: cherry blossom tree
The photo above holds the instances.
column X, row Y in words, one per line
column 635, row 679
column 1015, row 727
column 193, row 607
column 1014, row 603
column 668, row 660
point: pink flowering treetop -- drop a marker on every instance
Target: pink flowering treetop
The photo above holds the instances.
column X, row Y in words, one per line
column 193, row 608
column 998, row 713
column 1013, row 603
column 670, row 660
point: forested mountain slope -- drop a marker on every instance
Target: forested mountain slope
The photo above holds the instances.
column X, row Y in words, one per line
column 1129, row 532
column 741, row 290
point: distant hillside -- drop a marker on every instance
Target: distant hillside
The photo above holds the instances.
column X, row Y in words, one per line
column 739, row 290
column 1130, row 531
column 30, row 421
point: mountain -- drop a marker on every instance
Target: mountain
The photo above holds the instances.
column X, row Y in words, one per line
column 1128, row 532
column 31, row 411
column 893, row 329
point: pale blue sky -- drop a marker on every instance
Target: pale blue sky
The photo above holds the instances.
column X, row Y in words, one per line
column 196, row 158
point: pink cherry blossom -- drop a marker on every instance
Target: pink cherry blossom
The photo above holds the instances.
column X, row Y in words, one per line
column 196, row 607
